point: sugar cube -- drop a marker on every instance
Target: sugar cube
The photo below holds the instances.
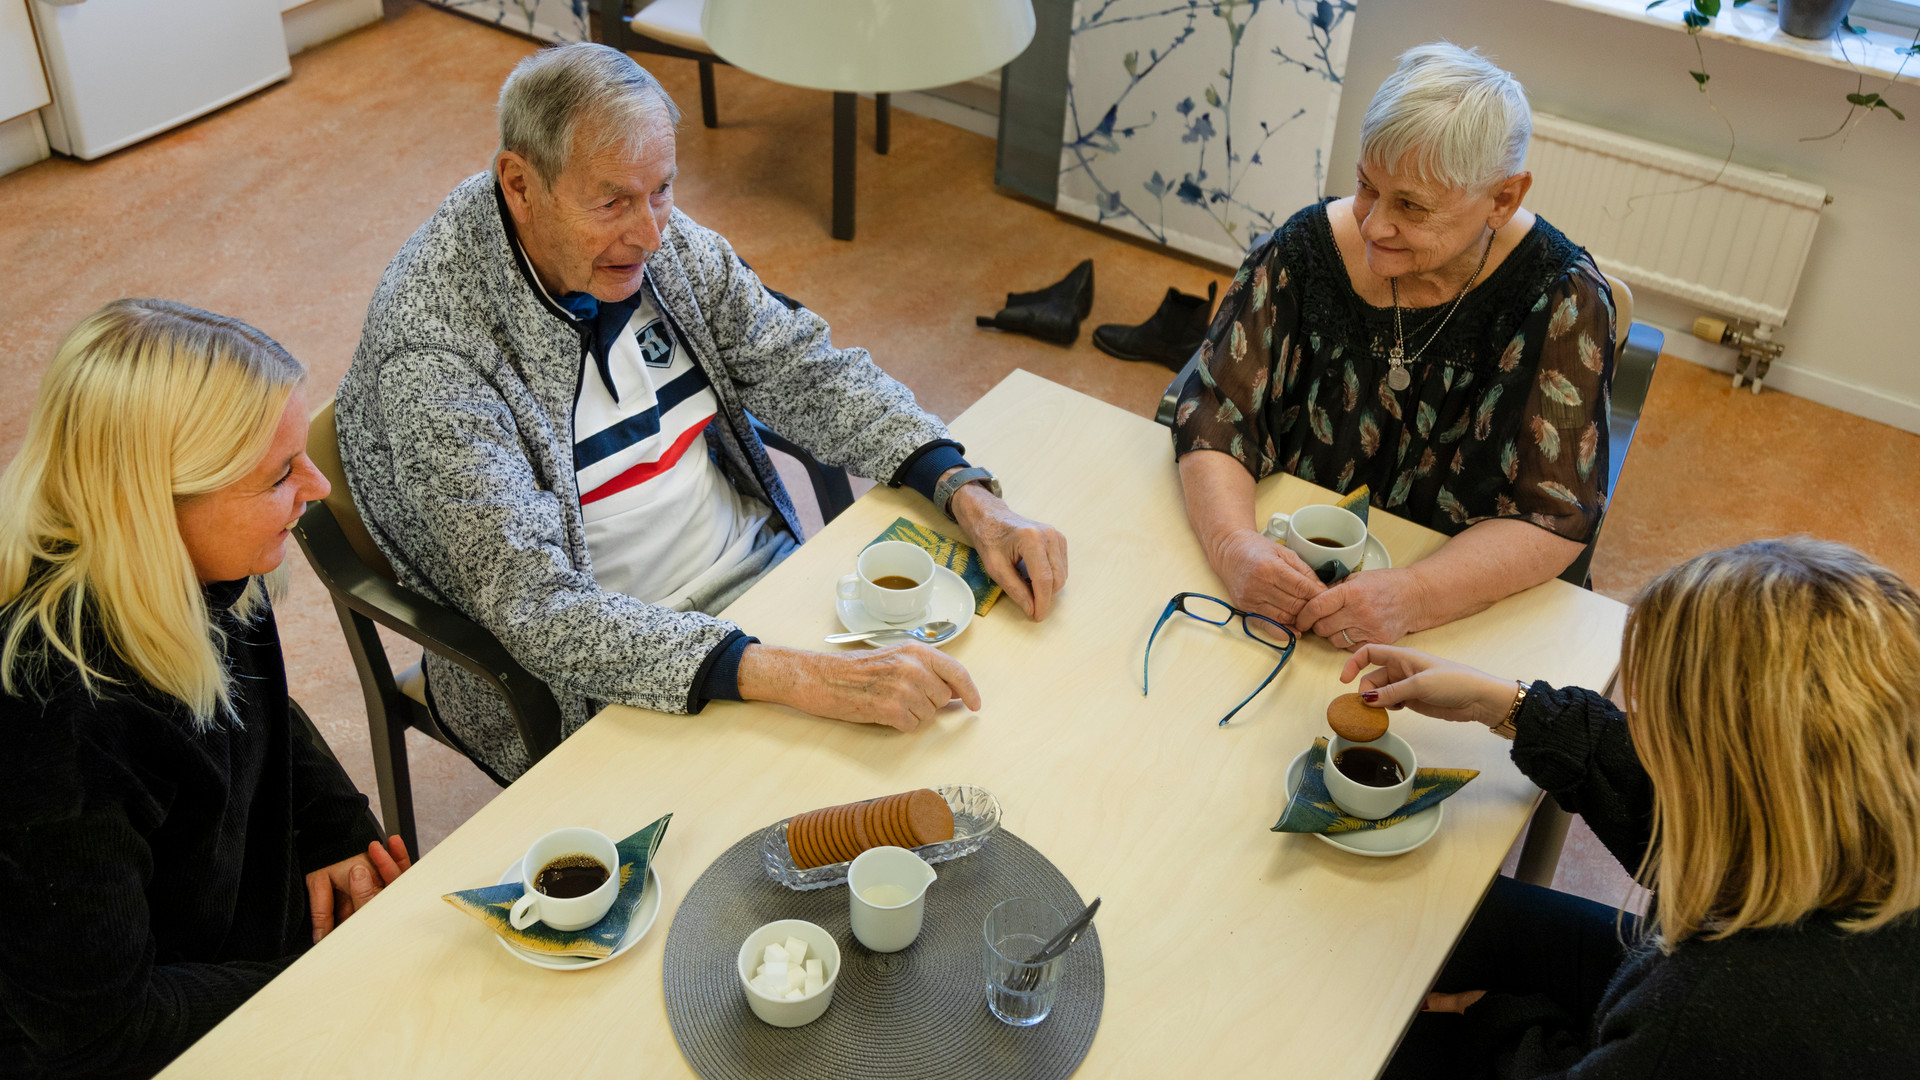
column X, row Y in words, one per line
column 776, row 954
column 796, row 950
column 796, row 976
column 794, row 995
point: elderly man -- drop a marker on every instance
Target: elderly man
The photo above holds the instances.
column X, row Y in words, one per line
column 545, row 426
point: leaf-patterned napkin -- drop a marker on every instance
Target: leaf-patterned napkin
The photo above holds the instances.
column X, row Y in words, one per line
column 951, row 554
column 1311, row 810
column 492, row 904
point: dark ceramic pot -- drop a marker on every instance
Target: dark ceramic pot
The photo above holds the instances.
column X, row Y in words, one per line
column 1816, row 19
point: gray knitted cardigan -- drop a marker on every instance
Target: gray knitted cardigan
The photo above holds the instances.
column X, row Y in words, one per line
column 456, row 432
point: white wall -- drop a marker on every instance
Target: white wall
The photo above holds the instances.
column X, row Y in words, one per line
column 1851, row 332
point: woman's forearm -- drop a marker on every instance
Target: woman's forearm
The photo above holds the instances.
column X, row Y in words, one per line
column 1219, row 496
column 1485, row 564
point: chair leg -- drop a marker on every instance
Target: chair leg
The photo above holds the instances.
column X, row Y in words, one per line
column 882, row 123
column 709, row 107
column 1546, row 835
column 846, row 124
column 386, row 725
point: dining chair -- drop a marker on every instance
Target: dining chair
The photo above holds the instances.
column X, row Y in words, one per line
column 366, row 592
column 664, row 28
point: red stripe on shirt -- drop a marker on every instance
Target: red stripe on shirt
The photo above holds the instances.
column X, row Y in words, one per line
column 647, row 470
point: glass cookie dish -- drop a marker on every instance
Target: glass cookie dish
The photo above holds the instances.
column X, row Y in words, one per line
column 976, row 814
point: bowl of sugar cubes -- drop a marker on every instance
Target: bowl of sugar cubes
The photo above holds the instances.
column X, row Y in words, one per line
column 787, row 969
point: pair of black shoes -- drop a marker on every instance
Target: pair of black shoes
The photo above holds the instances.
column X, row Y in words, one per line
column 1169, row 337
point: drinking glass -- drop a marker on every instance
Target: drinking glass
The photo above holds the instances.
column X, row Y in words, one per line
column 1020, row 993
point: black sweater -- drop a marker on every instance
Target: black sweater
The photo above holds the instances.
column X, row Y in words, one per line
column 1807, row 1001
column 154, row 874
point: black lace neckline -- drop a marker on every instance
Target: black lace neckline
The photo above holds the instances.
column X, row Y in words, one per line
column 1488, row 316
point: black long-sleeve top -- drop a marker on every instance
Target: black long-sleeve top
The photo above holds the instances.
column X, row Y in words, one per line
column 154, row 875
column 1806, row 1001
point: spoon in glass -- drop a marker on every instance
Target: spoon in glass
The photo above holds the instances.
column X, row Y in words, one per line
column 932, row 633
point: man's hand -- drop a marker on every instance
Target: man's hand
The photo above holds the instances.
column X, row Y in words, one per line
column 1263, row 576
column 337, row 891
column 1373, row 607
column 1009, row 543
column 902, row 687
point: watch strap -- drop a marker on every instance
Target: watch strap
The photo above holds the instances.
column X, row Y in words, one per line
column 944, row 492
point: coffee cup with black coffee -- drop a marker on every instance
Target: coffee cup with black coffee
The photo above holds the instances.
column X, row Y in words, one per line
column 570, row 878
column 893, row 580
column 1370, row 780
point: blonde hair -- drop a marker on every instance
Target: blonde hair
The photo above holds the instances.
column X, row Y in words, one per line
column 1449, row 115
column 1773, row 696
column 147, row 404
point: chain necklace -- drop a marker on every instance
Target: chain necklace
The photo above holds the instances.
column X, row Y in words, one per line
column 1397, row 358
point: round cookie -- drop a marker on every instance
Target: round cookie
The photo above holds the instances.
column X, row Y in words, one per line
column 896, row 816
column 862, row 835
column 843, row 833
column 1355, row 720
column 794, row 846
column 809, row 836
column 929, row 817
column 837, row 840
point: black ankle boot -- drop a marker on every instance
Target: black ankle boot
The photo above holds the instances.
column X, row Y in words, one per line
column 1170, row 337
column 1052, row 314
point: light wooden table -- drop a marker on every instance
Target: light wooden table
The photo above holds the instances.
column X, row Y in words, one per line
column 1230, row 950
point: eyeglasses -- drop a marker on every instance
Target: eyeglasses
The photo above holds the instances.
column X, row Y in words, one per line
column 1209, row 609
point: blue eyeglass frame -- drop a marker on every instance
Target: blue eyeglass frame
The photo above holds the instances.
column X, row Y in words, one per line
column 1179, row 603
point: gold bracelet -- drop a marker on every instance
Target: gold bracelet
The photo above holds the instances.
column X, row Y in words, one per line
column 1505, row 728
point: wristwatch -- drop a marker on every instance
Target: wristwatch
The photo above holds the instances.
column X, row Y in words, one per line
column 1505, row 728
column 944, row 492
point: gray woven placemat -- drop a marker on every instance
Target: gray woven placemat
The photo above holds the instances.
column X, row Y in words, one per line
column 921, row 1012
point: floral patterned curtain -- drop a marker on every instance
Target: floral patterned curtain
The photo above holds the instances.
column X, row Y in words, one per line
column 1201, row 124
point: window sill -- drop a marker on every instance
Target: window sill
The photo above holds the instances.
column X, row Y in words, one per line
column 1756, row 26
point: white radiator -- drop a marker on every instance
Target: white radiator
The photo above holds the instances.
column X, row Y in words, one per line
column 1735, row 246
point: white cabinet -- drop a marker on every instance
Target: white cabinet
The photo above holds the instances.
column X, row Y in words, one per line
column 23, row 85
column 122, row 70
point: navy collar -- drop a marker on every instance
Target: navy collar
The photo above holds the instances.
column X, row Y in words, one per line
column 602, row 321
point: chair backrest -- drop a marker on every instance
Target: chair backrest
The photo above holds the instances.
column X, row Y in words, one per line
column 1622, row 310
column 323, row 447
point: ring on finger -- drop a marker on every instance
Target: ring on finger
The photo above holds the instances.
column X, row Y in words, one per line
column 1344, row 636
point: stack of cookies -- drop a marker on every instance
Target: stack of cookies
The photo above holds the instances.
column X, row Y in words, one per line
column 839, row 833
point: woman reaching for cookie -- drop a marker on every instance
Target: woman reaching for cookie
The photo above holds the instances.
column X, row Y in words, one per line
column 1764, row 783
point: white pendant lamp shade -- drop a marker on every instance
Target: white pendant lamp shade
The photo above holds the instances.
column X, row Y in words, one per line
column 872, row 46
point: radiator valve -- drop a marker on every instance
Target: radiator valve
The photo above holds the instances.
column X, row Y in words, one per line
column 1755, row 341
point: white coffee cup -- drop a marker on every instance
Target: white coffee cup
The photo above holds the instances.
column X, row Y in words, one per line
column 891, row 559
column 1300, row 529
column 887, row 897
column 566, row 913
column 1364, row 800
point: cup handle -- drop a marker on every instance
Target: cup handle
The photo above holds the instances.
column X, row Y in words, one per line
column 1276, row 529
column 524, row 913
column 848, row 588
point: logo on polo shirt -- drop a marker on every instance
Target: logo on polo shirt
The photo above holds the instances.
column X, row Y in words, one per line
column 655, row 346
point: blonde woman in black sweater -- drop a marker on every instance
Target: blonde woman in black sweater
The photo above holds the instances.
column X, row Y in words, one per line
column 1764, row 783
column 171, row 835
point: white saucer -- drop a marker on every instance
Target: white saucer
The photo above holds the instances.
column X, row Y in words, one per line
column 1376, row 557
column 637, row 927
column 1376, row 843
column 952, row 601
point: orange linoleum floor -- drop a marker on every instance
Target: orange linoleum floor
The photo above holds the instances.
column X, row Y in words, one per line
column 284, row 208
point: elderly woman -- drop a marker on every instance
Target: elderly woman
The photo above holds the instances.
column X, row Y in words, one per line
column 1428, row 338
column 172, row 834
column 1764, row 782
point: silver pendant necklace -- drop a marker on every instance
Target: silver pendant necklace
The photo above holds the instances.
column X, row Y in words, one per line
column 1397, row 358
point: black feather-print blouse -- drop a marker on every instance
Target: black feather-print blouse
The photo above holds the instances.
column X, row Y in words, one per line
column 1506, row 413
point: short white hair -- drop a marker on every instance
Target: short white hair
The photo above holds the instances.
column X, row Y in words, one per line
column 550, row 96
column 1449, row 116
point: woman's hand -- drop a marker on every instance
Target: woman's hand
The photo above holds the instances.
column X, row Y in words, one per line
column 1263, row 576
column 1453, row 1003
column 1410, row 679
column 1375, row 606
column 337, row 891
